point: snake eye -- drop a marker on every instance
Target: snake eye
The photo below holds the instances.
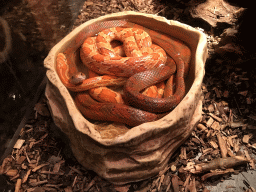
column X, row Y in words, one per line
column 77, row 78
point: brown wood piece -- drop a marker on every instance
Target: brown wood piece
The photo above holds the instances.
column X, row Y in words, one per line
column 215, row 173
column 202, row 127
column 175, row 184
column 220, row 163
column 18, row 185
column 222, row 145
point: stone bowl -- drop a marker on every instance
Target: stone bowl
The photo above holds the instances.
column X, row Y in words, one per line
column 115, row 152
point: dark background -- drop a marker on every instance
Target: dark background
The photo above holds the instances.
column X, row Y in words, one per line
column 35, row 27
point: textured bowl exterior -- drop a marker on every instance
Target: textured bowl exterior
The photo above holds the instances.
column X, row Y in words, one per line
column 127, row 155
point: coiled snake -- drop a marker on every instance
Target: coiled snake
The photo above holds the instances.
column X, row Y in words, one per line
column 143, row 63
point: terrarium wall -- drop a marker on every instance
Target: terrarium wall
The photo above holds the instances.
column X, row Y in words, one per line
column 28, row 30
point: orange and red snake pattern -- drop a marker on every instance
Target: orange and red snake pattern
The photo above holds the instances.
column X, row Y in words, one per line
column 146, row 67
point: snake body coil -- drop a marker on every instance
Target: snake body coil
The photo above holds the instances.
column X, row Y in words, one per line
column 143, row 62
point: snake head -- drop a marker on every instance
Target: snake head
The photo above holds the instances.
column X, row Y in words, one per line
column 77, row 78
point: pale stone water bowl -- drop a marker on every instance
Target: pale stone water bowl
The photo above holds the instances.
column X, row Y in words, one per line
column 115, row 152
